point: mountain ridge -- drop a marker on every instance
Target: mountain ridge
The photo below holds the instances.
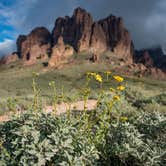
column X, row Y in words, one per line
column 80, row 33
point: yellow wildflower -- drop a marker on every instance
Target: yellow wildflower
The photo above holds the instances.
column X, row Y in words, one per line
column 90, row 73
column 116, row 98
column 121, row 88
column 98, row 78
column 118, row 78
column 124, row 118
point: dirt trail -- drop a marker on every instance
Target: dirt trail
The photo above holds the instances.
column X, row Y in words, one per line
column 60, row 108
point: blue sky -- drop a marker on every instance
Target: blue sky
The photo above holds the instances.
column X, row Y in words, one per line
column 145, row 19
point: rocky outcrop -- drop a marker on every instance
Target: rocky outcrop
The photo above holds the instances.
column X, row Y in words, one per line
column 154, row 72
column 35, row 46
column 145, row 59
column 153, row 57
column 9, row 59
column 117, row 37
column 60, row 53
column 83, row 34
column 75, row 30
column 80, row 32
column 98, row 41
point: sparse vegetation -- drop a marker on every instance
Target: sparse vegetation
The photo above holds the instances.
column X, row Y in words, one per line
column 120, row 131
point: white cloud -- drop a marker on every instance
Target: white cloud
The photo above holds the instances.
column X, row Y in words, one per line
column 7, row 46
column 17, row 13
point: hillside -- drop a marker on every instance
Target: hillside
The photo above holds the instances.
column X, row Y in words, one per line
column 16, row 79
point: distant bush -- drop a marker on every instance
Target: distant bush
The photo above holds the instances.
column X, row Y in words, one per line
column 159, row 99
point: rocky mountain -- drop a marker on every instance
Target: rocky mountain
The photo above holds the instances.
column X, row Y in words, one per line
column 152, row 57
column 78, row 33
column 84, row 34
column 34, row 46
column 5, row 60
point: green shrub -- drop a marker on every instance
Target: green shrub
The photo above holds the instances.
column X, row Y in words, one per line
column 43, row 139
column 108, row 135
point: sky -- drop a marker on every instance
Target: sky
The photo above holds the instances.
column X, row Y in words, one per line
column 145, row 19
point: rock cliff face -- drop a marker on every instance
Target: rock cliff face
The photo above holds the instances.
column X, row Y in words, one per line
column 60, row 52
column 117, row 37
column 35, row 46
column 83, row 34
column 75, row 30
column 79, row 32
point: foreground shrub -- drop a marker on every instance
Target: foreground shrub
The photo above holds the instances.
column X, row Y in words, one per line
column 44, row 139
column 108, row 135
column 50, row 140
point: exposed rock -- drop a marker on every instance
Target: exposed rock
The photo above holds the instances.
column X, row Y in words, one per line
column 75, row 31
column 83, row 34
column 20, row 40
column 145, row 59
column 34, row 46
column 153, row 57
column 60, row 52
column 155, row 73
column 117, row 37
column 94, row 58
column 141, row 67
column 9, row 59
column 98, row 42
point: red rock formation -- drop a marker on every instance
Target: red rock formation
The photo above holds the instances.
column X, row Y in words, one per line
column 83, row 34
column 9, row 59
column 34, row 46
column 146, row 59
column 75, row 31
column 152, row 57
column 98, row 41
column 117, row 37
column 60, row 53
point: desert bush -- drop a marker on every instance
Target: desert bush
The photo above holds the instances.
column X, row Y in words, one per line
column 108, row 135
column 151, row 103
column 44, row 140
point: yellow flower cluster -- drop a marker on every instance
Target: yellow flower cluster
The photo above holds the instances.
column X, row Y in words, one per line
column 121, row 88
column 118, row 78
column 91, row 74
column 96, row 76
column 116, row 98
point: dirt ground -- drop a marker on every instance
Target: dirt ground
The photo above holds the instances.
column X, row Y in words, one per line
column 60, row 108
